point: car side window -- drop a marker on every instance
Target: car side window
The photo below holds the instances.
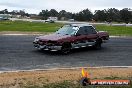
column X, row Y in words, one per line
column 90, row 30
column 82, row 31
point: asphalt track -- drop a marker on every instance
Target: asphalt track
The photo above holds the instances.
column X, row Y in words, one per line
column 17, row 53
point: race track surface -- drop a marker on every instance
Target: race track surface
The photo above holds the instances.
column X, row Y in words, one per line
column 18, row 53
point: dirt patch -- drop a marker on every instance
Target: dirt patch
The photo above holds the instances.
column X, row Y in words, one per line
column 18, row 79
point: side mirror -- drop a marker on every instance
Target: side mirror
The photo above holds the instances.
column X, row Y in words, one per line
column 77, row 34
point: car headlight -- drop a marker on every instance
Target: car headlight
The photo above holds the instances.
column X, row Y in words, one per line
column 36, row 40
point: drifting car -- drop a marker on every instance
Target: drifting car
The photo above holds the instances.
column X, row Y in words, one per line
column 71, row 36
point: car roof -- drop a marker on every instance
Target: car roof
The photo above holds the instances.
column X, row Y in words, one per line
column 80, row 25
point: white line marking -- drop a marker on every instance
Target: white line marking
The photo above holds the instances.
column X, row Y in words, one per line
column 72, row 68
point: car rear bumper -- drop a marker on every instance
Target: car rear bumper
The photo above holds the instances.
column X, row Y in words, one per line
column 45, row 47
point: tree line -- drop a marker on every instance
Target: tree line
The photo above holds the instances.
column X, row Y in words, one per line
column 108, row 15
column 15, row 12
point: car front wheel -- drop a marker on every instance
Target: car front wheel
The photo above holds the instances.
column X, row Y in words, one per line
column 66, row 47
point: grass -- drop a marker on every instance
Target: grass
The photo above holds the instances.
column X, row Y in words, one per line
column 21, row 26
column 61, row 78
column 116, row 30
column 64, row 84
column 28, row 26
column 69, row 84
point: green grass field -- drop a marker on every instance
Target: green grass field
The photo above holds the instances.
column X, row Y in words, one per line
column 116, row 30
column 28, row 26
column 52, row 27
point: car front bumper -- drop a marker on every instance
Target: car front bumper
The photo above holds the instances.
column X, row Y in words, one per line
column 47, row 47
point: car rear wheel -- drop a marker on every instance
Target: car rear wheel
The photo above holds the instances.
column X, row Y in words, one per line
column 98, row 44
column 66, row 48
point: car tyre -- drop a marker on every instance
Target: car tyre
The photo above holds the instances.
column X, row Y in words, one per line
column 66, row 48
column 98, row 44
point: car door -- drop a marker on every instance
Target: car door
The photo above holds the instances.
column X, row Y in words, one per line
column 80, row 38
column 91, row 35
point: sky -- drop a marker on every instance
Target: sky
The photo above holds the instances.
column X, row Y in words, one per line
column 36, row 6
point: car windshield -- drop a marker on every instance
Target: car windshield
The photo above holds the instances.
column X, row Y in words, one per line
column 67, row 30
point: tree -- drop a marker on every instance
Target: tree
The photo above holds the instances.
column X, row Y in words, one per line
column 85, row 15
column 100, row 15
column 66, row 15
column 22, row 13
column 45, row 14
column 113, row 14
column 5, row 11
column 126, row 15
column 53, row 13
column 61, row 14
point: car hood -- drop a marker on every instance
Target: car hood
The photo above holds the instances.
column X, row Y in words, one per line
column 53, row 37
